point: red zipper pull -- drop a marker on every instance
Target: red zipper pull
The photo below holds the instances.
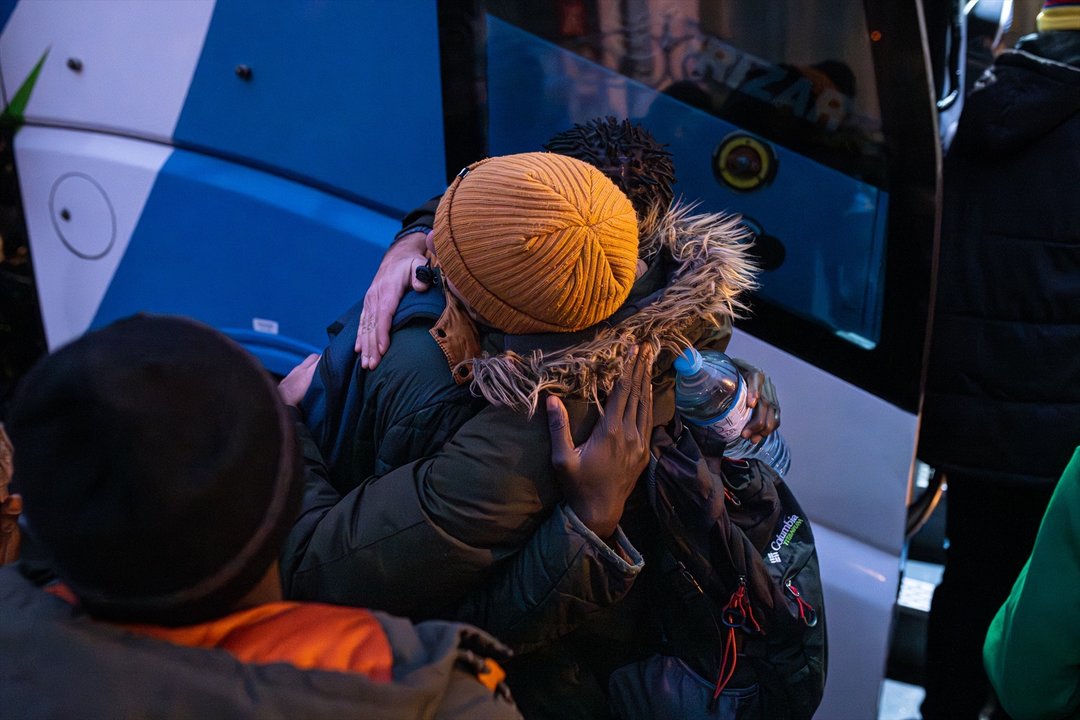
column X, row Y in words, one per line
column 727, row 667
column 806, row 611
column 730, row 497
column 738, row 613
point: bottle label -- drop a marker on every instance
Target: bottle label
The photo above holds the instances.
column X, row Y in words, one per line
column 729, row 424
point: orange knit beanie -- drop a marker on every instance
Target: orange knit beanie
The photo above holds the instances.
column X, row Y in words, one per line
column 537, row 242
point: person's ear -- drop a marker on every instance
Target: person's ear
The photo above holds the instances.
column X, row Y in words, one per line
column 430, row 240
column 642, row 266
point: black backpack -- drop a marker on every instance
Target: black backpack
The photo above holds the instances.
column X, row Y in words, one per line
column 736, row 589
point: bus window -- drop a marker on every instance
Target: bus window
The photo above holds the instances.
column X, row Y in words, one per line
column 770, row 111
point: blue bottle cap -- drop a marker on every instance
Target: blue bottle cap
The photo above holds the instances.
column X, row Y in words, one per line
column 689, row 362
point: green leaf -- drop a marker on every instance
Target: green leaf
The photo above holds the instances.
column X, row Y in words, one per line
column 15, row 109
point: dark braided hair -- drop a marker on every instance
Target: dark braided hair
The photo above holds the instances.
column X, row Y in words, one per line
column 626, row 153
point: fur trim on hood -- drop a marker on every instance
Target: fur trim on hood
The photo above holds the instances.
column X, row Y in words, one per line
column 708, row 270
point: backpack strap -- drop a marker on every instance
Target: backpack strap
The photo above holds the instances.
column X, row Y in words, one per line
column 415, row 305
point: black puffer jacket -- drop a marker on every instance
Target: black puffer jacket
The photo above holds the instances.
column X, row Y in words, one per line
column 1003, row 391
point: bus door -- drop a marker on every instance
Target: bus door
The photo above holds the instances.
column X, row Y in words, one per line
column 816, row 122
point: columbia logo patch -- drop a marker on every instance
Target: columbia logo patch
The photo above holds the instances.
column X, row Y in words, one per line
column 773, row 557
column 792, row 523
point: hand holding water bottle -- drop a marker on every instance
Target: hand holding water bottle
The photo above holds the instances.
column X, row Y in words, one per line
column 710, row 392
column 761, row 396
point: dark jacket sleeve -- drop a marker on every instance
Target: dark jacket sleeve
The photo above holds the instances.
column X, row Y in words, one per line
column 472, row 531
column 419, row 538
column 421, row 216
column 562, row 575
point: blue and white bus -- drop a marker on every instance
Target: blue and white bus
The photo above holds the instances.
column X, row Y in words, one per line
column 246, row 163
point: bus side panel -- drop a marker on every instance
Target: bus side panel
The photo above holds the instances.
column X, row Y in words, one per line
column 860, row 591
column 120, row 67
column 851, row 459
column 83, row 194
column 345, row 94
column 852, row 454
column 119, row 226
column 6, row 8
column 247, row 252
column 332, row 86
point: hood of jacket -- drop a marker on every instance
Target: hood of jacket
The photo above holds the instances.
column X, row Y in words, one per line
column 1025, row 94
column 699, row 268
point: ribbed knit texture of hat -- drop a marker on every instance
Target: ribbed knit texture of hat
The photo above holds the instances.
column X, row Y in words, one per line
column 1059, row 15
column 537, row 242
column 157, row 467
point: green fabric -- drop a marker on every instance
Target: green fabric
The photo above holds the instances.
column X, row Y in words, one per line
column 1032, row 650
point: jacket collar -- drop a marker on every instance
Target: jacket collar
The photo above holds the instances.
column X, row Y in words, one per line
column 700, row 268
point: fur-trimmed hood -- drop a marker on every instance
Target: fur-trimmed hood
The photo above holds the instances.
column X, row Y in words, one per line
column 699, row 270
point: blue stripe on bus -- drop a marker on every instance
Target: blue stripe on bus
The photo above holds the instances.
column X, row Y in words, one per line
column 241, row 249
column 344, row 94
column 6, row 8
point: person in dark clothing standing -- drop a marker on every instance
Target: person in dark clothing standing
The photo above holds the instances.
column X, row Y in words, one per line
column 1002, row 407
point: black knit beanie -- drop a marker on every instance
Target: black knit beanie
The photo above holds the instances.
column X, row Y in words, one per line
column 158, row 469
column 628, row 154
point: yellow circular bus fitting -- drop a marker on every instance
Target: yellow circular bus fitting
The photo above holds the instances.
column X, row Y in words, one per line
column 744, row 163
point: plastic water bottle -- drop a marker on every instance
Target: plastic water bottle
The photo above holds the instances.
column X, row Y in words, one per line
column 710, row 392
